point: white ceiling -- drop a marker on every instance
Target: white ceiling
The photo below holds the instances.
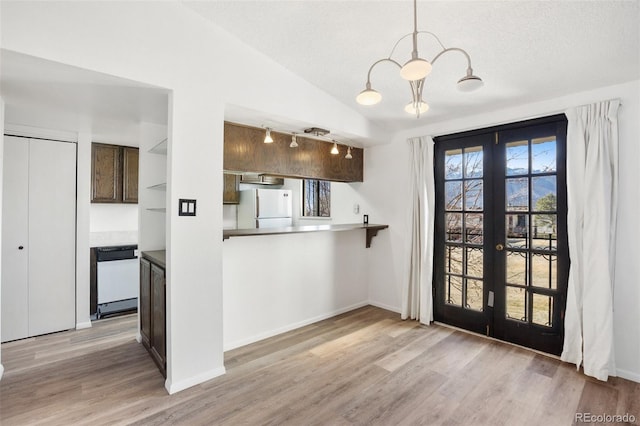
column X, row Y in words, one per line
column 94, row 98
column 523, row 50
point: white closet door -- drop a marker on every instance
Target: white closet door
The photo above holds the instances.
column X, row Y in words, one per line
column 15, row 225
column 52, row 236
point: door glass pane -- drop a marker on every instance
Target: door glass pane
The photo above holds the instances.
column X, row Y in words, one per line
column 453, row 260
column 517, row 190
column 453, row 164
column 543, row 193
column 516, row 303
column 516, row 267
column 542, row 310
column 474, row 294
column 453, row 226
column 473, row 194
column 517, row 230
column 543, row 152
column 453, row 290
column 473, row 227
column 453, row 195
column 544, row 231
column 544, row 270
column 473, row 162
column 518, row 158
column 475, row 260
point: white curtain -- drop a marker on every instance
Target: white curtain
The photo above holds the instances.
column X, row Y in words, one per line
column 417, row 299
column 592, row 191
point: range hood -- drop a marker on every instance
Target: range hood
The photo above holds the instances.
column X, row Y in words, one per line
column 260, row 179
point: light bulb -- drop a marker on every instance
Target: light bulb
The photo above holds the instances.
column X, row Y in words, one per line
column 294, row 142
column 267, row 137
column 411, row 108
column 368, row 96
column 334, row 150
column 415, row 69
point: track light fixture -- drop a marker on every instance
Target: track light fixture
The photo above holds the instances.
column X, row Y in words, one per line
column 294, row 141
column 267, row 136
column 334, row 150
column 348, row 156
column 415, row 70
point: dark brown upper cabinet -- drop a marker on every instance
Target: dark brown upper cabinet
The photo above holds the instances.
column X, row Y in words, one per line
column 245, row 151
column 114, row 174
column 231, row 192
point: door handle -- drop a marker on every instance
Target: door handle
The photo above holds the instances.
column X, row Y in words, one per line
column 499, row 247
column 20, row 247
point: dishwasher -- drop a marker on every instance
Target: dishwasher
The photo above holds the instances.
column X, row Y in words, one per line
column 118, row 280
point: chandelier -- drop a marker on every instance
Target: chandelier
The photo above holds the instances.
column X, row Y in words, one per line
column 415, row 70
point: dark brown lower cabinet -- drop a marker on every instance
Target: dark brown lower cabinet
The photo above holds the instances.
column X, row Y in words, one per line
column 152, row 310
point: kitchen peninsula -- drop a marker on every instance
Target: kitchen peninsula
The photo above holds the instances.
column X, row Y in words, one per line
column 372, row 230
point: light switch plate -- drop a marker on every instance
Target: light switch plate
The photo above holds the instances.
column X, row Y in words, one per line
column 186, row 207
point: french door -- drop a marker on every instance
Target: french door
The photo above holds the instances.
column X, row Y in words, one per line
column 501, row 257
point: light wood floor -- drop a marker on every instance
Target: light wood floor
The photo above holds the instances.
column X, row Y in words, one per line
column 365, row 367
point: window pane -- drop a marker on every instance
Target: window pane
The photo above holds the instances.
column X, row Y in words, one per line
column 473, row 194
column 517, row 230
column 544, row 270
column 518, row 158
column 474, row 294
column 542, row 310
column 453, row 290
column 516, row 267
column 543, row 193
column 453, row 164
column 473, row 162
column 543, row 152
column 516, row 303
column 453, row 195
column 475, row 260
column 324, row 199
column 473, row 228
column 453, row 226
column 544, row 231
column 517, row 190
column 453, row 260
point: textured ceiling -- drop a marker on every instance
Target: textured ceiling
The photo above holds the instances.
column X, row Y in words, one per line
column 523, row 50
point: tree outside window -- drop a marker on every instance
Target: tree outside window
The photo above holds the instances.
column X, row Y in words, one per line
column 316, row 198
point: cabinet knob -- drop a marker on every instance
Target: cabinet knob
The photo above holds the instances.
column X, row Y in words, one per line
column 20, row 247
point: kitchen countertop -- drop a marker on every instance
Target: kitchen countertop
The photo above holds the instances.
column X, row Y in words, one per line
column 156, row 256
column 372, row 230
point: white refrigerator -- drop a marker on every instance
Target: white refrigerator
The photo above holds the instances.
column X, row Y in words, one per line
column 265, row 208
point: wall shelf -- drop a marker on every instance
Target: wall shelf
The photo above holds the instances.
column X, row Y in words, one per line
column 158, row 209
column 372, row 230
column 160, row 148
column 158, row 187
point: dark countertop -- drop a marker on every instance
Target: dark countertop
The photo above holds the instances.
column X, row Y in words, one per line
column 156, row 256
column 372, row 230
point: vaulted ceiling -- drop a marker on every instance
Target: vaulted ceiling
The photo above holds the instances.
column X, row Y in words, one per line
column 524, row 51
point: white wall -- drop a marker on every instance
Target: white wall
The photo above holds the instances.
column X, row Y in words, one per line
column 205, row 69
column 387, row 177
column 1, row 183
column 273, row 284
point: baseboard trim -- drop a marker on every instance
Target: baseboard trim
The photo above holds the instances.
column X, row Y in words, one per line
column 81, row 325
column 385, row 306
column 629, row 375
column 192, row 381
column 289, row 327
